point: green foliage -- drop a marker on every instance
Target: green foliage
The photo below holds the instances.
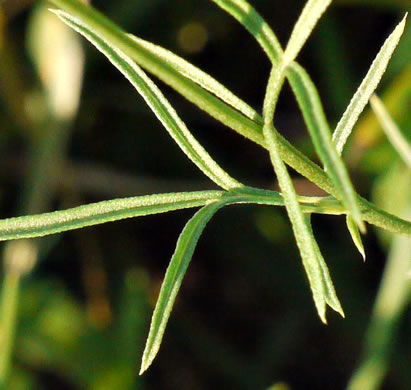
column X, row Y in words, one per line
column 367, row 88
column 133, row 56
column 173, row 279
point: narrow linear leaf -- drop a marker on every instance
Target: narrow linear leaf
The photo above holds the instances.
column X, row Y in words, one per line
column 179, row 264
column 172, row 281
column 391, row 130
column 97, row 213
column 304, row 239
column 158, row 103
column 302, row 231
column 397, row 100
column 253, row 22
column 309, row 17
column 261, row 31
column 329, row 290
column 197, row 75
column 311, row 107
column 256, row 25
column 367, row 87
column 115, row 36
column 355, row 235
column 229, row 110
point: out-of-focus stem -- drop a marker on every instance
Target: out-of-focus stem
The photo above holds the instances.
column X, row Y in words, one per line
column 391, row 301
column 47, row 147
column 9, row 299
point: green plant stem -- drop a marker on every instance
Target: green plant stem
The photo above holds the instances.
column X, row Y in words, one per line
column 9, row 304
column 251, row 129
column 39, row 188
column 116, row 209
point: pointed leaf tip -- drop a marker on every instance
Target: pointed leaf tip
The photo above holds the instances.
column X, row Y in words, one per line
column 360, row 224
column 310, row 104
column 323, row 319
column 144, row 366
column 355, row 235
column 174, row 276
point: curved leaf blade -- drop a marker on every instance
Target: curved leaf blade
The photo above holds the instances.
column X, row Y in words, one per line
column 304, row 237
column 330, row 295
column 158, row 104
column 172, row 281
column 302, row 233
column 245, row 14
column 367, row 87
column 261, row 31
column 115, row 36
column 196, row 75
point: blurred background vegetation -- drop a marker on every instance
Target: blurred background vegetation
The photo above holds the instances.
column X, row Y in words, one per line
column 73, row 131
